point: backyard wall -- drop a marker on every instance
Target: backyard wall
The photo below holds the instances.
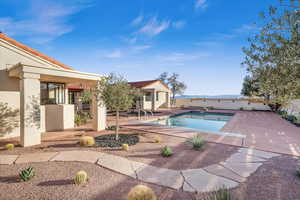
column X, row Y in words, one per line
column 233, row 104
column 294, row 108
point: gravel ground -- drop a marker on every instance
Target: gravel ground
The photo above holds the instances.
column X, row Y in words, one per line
column 145, row 151
column 54, row 180
column 275, row 180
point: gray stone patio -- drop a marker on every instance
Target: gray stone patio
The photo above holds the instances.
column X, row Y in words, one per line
column 225, row 174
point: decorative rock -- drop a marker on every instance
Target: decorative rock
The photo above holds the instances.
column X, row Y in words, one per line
column 35, row 157
column 165, row 177
column 118, row 164
column 202, row 181
column 224, row 172
column 243, row 169
column 79, row 156
column 7, row 159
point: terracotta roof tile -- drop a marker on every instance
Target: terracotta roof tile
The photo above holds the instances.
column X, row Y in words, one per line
column 141, row 84
column 32, row 51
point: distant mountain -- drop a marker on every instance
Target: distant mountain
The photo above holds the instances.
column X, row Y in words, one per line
column 227, row 96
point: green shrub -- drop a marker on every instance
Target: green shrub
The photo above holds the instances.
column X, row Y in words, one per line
column 197, row 142
column 10, row 147
column 81, row 177
column 27, row 174
column 166, row 151
column 81, row 118
column 111, row 128
column 291, row 118
column 298, row 172
column 220, row 194
column 241, row 108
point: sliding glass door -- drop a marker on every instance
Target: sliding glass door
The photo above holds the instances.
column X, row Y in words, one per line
column 52, row 93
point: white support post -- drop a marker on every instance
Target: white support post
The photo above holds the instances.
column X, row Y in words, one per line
column 66, row 94
column 154, row 100
column 99, row 115
column 30, row 115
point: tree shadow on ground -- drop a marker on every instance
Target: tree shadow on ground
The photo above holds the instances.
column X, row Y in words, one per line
column 10, row 179
column 56, row 182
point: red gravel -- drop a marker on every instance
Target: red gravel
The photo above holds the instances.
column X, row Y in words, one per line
column 54, row 180
column 274, row 180
column 145, row 151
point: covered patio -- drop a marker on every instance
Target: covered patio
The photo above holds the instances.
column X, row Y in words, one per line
column 44, row 100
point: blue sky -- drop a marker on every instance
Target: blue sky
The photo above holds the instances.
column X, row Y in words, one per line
column 199, row 39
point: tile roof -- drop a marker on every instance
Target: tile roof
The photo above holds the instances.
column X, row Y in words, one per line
column 141, row 84
column 32, row 51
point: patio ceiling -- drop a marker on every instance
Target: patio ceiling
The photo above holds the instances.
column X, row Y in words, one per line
column 53, row 74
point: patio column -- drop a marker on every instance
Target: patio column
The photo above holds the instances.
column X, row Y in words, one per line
column 66, row 94
column 99, row 114
column 154, row 100
column 30, row 116
column 168, row 99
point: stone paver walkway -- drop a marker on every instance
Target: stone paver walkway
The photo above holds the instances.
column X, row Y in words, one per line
column 229, row 173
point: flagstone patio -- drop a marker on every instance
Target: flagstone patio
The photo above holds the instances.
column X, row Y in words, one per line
column 229, row 173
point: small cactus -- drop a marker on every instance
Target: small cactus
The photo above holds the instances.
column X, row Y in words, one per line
column 87, row 141
column 10, row 147
column 166, row 151
column 27, row 174
column 125, row 147
column 157, row 139
column 141, row 192
column 81, row 177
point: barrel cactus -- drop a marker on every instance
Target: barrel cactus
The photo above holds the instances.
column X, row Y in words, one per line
column 10, row 147
column 87, row 141
column 125, row 147
column 166, row 151
column 27, row 174
column 157, row 139
column 81, row 178
column 141, row 192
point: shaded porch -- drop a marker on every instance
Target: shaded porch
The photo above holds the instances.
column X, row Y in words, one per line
column 44, row 102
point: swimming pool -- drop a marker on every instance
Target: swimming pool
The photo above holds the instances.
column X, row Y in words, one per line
column 211, row 122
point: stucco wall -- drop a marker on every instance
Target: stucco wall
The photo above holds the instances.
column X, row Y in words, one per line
column 221, row 104
column 59, row 117
column 294, row 108
column 10, row 87
column 161, row 100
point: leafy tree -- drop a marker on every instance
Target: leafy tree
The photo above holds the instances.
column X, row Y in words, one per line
column 250, row 86
column 86, row 96
column 117, row 95
column 273, row 56
column 176, row 86
column 8, row 119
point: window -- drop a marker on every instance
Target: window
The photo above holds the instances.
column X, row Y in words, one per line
column 148, row 96
column 52, row 93
column 157, row 96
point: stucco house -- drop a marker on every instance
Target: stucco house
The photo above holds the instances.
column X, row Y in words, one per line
column 157, row 94
column 37, row 85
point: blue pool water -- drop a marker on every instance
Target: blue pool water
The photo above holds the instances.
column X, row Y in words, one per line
column 211, row 122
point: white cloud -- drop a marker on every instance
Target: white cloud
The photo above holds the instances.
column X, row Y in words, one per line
column 137, row 20
column 114, row 54
column 140, row 48
column 201, row 4
column 179, row 59
column 154, row 27
column 43, row 21
column 179, row 24
column 246, row 28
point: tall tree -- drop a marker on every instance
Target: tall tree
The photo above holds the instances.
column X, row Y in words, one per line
column 117, row 95
column 176, row 86
column 273, row 56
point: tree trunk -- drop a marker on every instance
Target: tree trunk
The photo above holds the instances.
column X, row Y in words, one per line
column 117, row 125
column 173, row 97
